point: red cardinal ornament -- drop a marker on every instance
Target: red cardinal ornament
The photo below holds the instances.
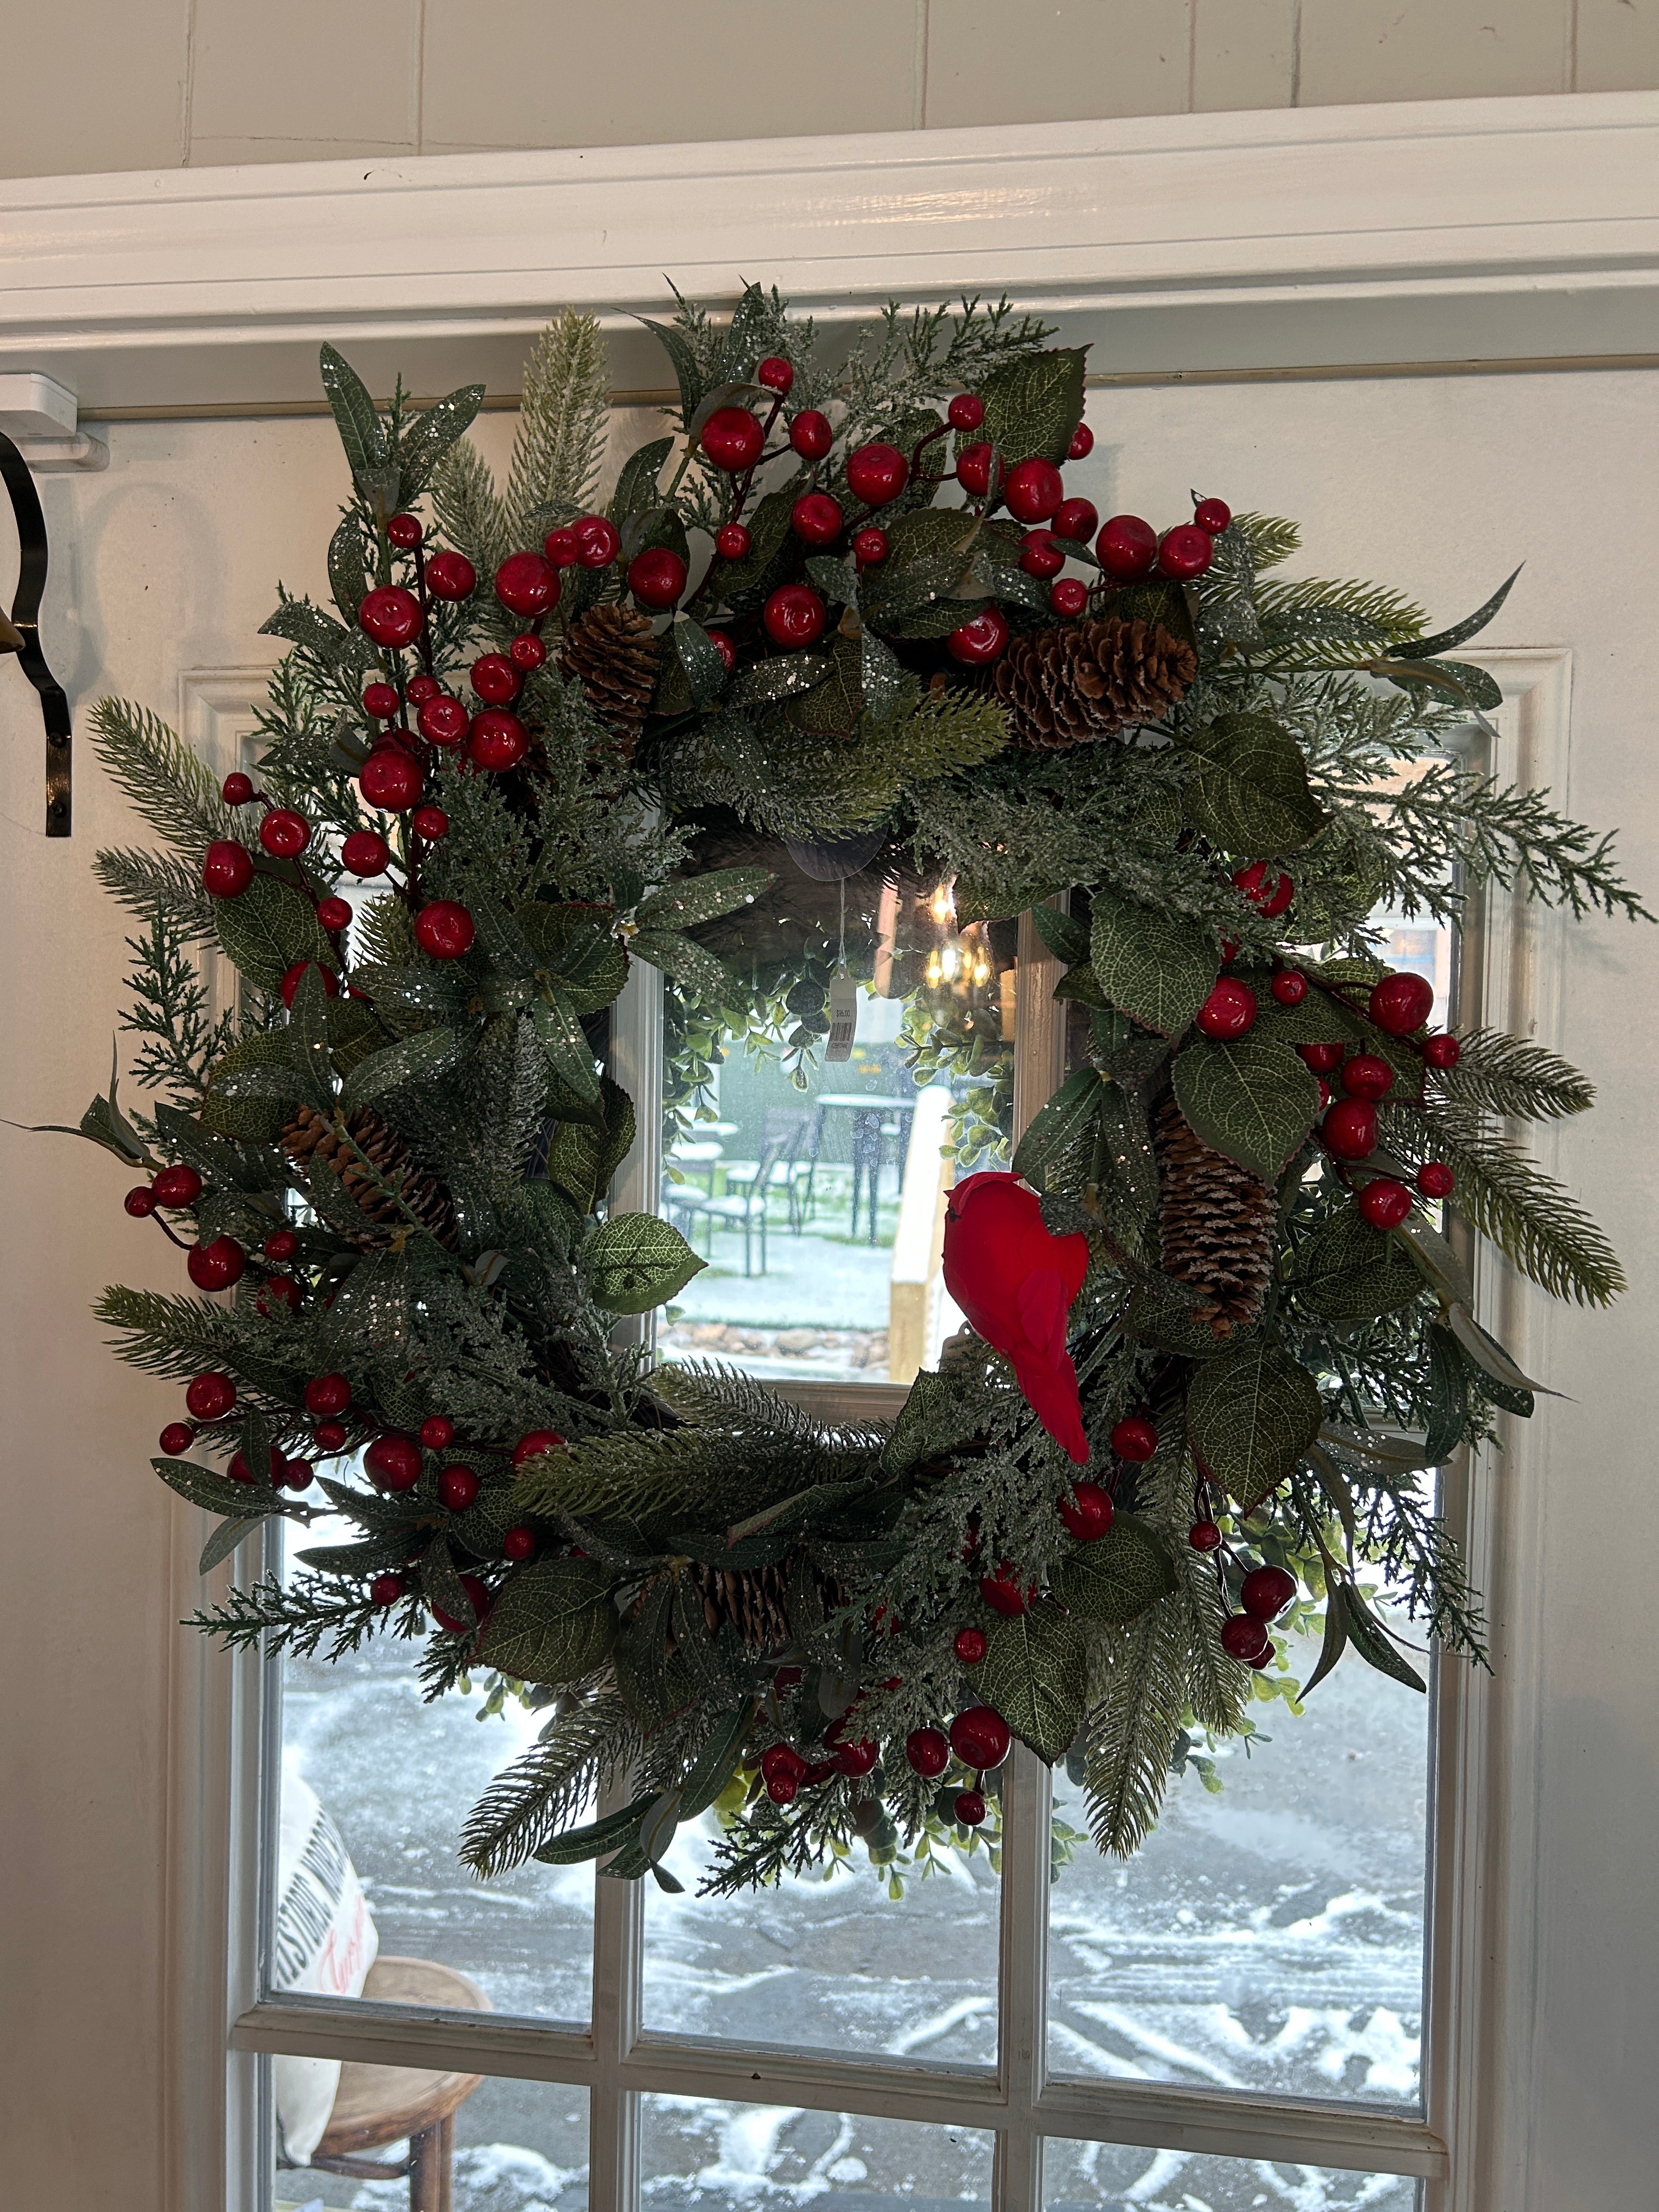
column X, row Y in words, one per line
column 1016, row 1280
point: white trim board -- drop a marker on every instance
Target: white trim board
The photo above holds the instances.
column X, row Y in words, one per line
column 1438, row 231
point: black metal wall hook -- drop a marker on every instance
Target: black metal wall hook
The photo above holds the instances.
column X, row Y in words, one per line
column 22, row 634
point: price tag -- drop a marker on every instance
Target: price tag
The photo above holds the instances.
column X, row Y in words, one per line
column 844, row 1018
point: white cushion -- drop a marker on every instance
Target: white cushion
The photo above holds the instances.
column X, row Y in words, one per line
column 325, row 1944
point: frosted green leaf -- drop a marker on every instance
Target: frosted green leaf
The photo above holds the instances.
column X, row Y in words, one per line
column 1116, row 1577
column 1157, row 971
column 1034, row 1673
column 1252, row 1100
column 1251, row 1415
column 636, row 1261
column 552, row 1622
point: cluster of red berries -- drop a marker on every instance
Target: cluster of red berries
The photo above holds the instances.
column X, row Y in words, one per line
column 979, row 1737
column 1266, row 1593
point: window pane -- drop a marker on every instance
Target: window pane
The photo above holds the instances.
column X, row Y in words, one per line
column 509, row 2146
column 376, row 1788
column 837, row 1965
column 1108, row 2178
column 697, row 2153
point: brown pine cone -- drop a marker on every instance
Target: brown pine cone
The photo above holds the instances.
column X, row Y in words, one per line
column 1081, row 681
column 377, row 1170
column 610, row 652
column 755, row 1602
column 1217, row 1225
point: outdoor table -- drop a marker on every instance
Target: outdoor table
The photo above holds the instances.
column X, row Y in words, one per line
column 867, row 1109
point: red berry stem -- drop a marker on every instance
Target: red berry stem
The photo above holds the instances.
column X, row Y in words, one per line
column 426, row 621
column 741, row 492
column 169, row 1234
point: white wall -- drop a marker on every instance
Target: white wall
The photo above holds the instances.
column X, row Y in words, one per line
column 134, row 84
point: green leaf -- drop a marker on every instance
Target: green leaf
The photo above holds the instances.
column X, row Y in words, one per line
column 1066, row 939
column 637, row 1262
column 922, row 588
column 581, row 1158
column 419, row 1059
column 688, row 374
column 1059, row 1124
column 1116, row 1577
column 701, row 972
column 1034, row 1673
column 766, row 682
column 769, row 561
column 251, row 1121
column 362, row 432
column 699, row 656
column 1366, row 1634
column 501, row 938
column 1439, row 1263
column 832, row 709
column 348, row 579
column 205, row 1486
column 1335, row 1640
column 301, row 623
column 1033, row 404
column 267, row 929
column 569, row 1055
column 881, row 676
column 1252, row 1100
column 430, row 437
column 636, row 487
column 1425, row 648
column 577, row 947
column 442, row 1586
column 1252, row 797
column 1448, row 1393
column 696, row 899
column 1490, row 1357
column 715, row 1765
column 225, row 1539
column 1460, row 677
column 594, row 1839
column 1348, row 1270
column 1251, row 1415
column 1157, row 971
column 552, row 1622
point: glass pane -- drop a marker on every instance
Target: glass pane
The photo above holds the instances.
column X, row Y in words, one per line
column 376, row 1786
column 1108, row 2178
column 698, row 2153
column 505, row 2146
column 811, row 1173
column 836, row 1966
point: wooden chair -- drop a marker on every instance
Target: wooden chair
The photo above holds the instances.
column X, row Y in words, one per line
column 378, row 2104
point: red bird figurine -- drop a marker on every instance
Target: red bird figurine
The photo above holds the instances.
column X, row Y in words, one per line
column 1015, row 1281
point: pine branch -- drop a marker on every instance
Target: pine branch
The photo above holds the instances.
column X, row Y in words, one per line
column 177, row 1337
column 172, row 790
column 270, row 1618
column 1303, row 620
column 722, row 1398
column 1500, row 1074
column 149, row 884
column 1269, row 537
column 562, row 420
column 578, row 1754
column 1130, row 1735
column 171, row 1014
column 470, row 513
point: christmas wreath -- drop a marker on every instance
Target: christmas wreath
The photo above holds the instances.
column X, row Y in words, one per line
column 842, row 626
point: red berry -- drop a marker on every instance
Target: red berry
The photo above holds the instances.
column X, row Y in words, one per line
column 477, row 1592
column 1005, row 1593
column 391, row 779
column 1229, row 1011
column 657, row 577
column 365, row 853
column 498, row 740
column 1349, row 1129
column 980, row 1738
column 393, row 1462
column 218, row 1266
column 437, row 1433
column 327, row 1393
column 973, row 465
column 732, row 541
column 334, row 914
column 968, row 1645
column 1126, row 548
column 1034, row 490
column 1442, row 1051
column 1068, row 596
column 781, row 1759
column 732, row 440
column 1076, row 519
column 1086, row 1512
column 794, row 615
column 928, row 1752
column 560, row 546
column 430, row 822
column 1271, row 897
column 533, row 1445
column 783, row 1788
column 239, row 1471
column 1244, row 1636
column 140, row 1200
column 1324, row 1094
column 1384, row 1203
column 281, row 1244
column 1082, row 445
column 1266, row 1592
column 877, row 473
column 723, row 645
column 1204, row 1536
column 1185, row 551
column 966, row 411
column 329, row 1435
column 458, row 1486
column 210, row 1396
column 1135, row 1437
column 526, row 651
column 443, row 720
column 981, row 638
column 1213, row 515
column 1367, row 1076
column 856, row 1758
column 527, row 585
column 776, row 374
column 1289, row 987
column 450, row 577
column 278, row 1294
column 597, row 542
column 811, row 435
column 236, row 790
column 179, row 1186
column 1321, row 1057
column 227, row 870
column 1435, row 1179
column 391, row 615
column 289, row 986
column 385, row 1590
column 1041, row 555
column 298, row 1475
column 381, row 700
column 816, row 518
column 405, row 531
column 1401, row 1003
column 176, row 1438
column 970, row 1809
column 496, row 680
column 444, row 929
column 423, row 688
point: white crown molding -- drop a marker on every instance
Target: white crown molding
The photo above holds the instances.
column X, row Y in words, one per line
column 1436, row 233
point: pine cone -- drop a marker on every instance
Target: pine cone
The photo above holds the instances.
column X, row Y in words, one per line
column 1083, row 680
column 756, row 1603
column 1216, row 1222
column 612, row 653
column 384, row 1181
